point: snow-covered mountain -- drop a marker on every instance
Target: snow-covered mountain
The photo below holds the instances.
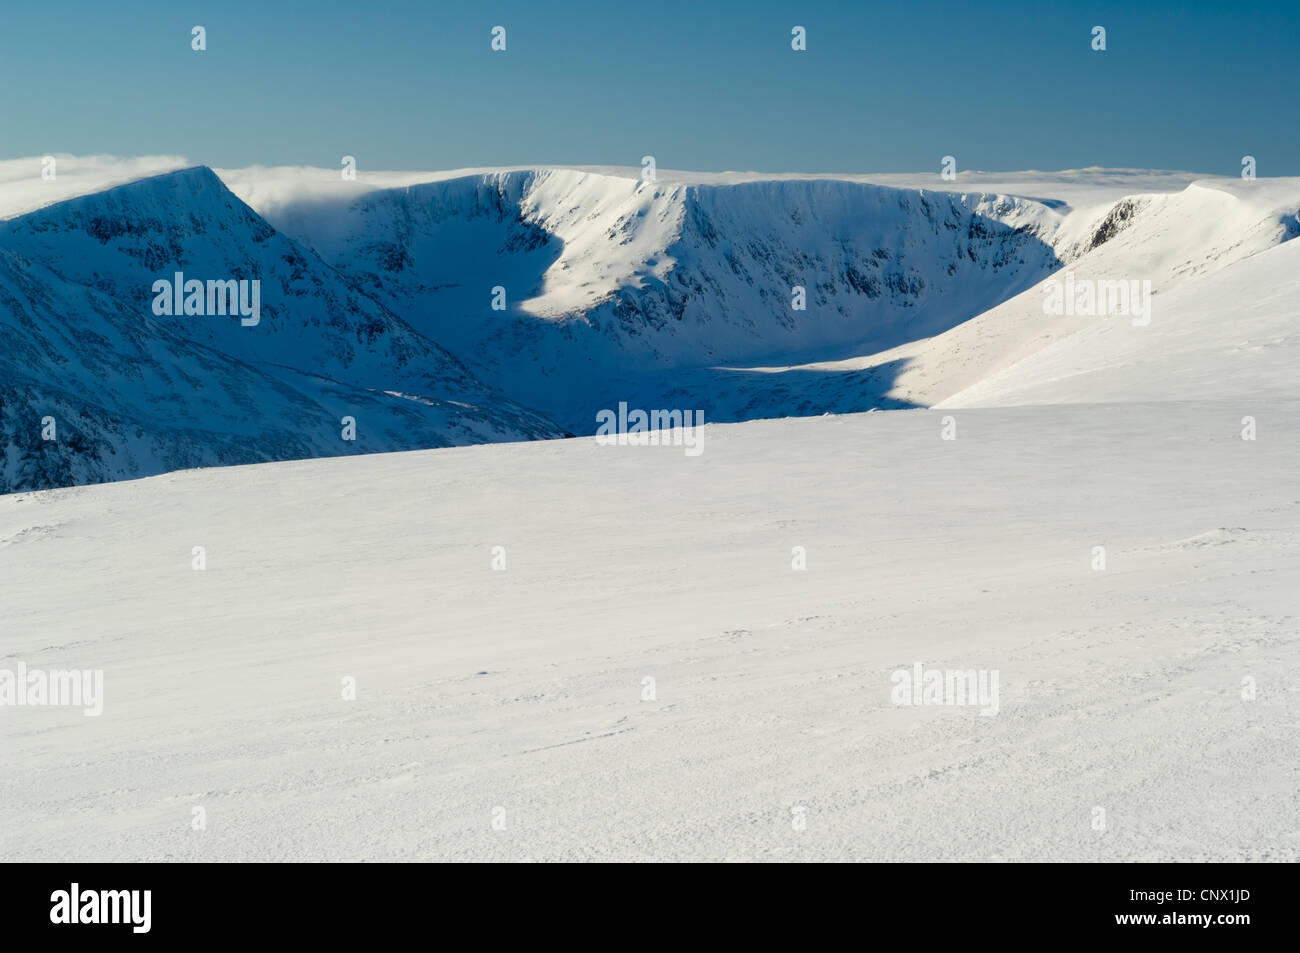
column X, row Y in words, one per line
column 131, row 392
column 678, row 293
column 1085, row 515
column 377, row 303
column 1224, row 320
column 617, row 287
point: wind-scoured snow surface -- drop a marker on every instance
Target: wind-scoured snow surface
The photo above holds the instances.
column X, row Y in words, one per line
column 522, row 689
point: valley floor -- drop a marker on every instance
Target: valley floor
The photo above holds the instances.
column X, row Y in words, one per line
column 515, row 696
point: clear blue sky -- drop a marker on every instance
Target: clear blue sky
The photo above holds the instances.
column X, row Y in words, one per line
column 883, row 87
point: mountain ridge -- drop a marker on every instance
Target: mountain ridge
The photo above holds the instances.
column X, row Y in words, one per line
column 132, row 393
column 666, row 293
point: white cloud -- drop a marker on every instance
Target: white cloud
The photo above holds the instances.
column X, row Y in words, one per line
column 22, row 187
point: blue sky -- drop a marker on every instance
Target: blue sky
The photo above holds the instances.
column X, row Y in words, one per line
column 882, row 87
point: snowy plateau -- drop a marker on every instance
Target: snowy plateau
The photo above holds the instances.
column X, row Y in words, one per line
column 479, row 632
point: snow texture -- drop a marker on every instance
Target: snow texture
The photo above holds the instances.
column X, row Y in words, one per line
column 564, row 650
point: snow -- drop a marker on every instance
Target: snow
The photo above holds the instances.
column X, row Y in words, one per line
column 631, row 297
column 134, row 393
column 501, row 713
column 616, row 285
column 1233, row 333
column 522, row 689
column 23, row 189
column 921, row 291
column 1192, row 247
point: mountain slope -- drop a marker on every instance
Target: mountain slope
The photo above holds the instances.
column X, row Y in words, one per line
column 525, row 689
column 1233, row 333
column 612, row 283
column 134, row 393
column 669, row 294
column 1190, row 245
column 1213, row 244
